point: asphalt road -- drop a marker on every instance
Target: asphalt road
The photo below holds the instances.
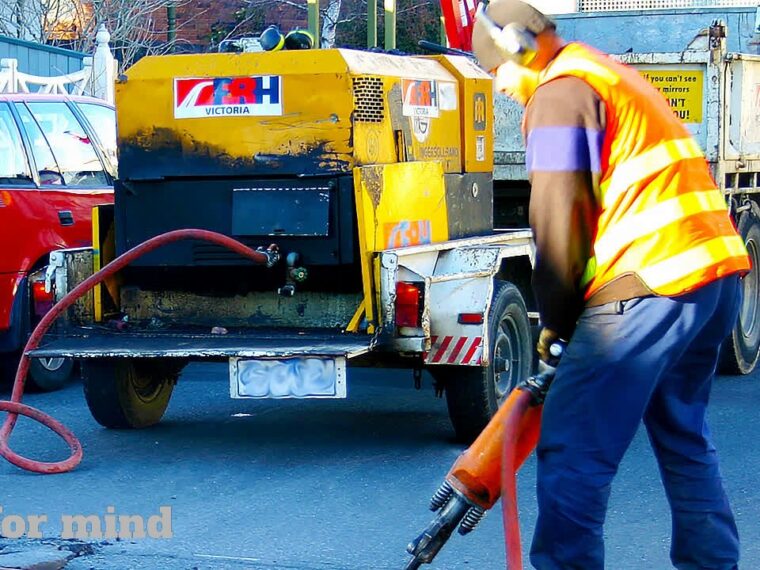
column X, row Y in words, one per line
column 326, row 485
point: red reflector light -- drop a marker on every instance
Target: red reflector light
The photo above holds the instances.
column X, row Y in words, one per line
column 40, row 295
column 407, row 305
column 470, row 318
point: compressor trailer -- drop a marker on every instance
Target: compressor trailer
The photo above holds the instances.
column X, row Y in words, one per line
column 372, row 176
column 381, row 182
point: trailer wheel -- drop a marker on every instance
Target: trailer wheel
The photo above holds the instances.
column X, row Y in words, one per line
column 474, row 394
column 129, row 393
column 739, row 354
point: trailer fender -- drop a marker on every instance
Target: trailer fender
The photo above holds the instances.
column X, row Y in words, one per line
column 457, row 283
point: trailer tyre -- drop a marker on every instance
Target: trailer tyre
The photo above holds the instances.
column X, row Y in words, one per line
column 474, row 394
column 124, row 393
column 739, row 353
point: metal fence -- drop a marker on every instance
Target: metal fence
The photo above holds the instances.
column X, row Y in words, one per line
column 34, row 68
column 612, row 5
column 42, row 60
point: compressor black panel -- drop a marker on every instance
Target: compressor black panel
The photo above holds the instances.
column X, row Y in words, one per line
column 312, row 216
column 268, row 211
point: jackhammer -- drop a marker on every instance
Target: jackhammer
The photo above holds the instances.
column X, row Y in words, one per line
column 487, row 470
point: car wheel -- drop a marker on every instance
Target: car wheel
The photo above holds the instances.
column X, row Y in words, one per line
column 49, row 374
column 8, row 366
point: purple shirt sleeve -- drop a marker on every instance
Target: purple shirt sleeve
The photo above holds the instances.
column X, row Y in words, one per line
column 564, row 149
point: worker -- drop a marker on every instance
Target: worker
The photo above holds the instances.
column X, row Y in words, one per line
column 638, row 265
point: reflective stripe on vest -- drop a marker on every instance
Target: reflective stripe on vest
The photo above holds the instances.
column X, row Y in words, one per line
column 572, row 65
column 664, row 276
column 646, row 164
column 656, row 218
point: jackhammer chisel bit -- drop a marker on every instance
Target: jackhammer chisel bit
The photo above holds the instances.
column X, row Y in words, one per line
column 453, row 510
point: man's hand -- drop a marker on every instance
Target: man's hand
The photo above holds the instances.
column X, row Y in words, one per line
column 545, row 340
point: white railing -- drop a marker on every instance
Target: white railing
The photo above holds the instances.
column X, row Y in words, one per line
column 96, row 78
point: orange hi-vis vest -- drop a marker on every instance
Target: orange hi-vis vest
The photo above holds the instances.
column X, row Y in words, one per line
column 661, row 214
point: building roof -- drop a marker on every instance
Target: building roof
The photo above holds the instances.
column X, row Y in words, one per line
column 41, row 47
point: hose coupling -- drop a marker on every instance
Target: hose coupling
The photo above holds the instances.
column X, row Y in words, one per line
column 272, row 253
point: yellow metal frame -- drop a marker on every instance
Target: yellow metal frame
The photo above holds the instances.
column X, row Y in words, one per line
column 106, row 294
column 98, row 290
column 353, row 325
column 397, row 205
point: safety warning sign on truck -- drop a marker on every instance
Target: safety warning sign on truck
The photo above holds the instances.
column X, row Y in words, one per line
column 683, row 89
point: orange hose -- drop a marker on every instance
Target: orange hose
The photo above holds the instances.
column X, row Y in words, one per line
column 15, row 408
column 477, row 473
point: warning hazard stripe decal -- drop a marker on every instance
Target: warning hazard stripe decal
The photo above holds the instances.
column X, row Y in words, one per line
column 470, row 353
column 438, row 356
column 455, row 350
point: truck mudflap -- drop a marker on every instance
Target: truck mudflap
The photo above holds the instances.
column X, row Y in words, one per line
column 251, row 344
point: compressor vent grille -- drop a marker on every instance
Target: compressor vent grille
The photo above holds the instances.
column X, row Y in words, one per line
column 614, row 5
column 368, row 100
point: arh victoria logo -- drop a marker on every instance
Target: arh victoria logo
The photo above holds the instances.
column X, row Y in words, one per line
column 420, row 98
column 196, row 98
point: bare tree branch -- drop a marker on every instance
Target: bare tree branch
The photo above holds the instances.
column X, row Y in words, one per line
column 74, row 23
column 136, row 31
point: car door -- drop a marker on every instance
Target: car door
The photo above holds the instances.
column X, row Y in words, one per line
column 18, row 224
column 69, row 171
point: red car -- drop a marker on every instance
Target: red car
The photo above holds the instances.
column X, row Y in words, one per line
column 57, row 161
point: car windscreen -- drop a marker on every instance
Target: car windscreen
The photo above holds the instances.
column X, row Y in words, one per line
column 62, row 148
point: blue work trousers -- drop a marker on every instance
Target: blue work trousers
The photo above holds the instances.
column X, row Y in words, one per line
column 650, row 359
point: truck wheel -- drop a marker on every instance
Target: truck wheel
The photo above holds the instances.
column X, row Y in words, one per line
column 129, row 393
column 474, row 394
column 49, row 374
column 740, row 350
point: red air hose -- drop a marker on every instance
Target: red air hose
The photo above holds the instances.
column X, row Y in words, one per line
column 521, row 431
column 15, row 408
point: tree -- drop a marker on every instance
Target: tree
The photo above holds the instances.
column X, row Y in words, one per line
column 416, row 20
column 74, row 24
column 23, row 18
column 343, row 22
column 256, row 14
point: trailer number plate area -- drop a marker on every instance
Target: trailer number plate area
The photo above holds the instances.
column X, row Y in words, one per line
column 301, row 377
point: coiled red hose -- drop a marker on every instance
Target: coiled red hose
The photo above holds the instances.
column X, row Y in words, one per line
column 15, row 408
